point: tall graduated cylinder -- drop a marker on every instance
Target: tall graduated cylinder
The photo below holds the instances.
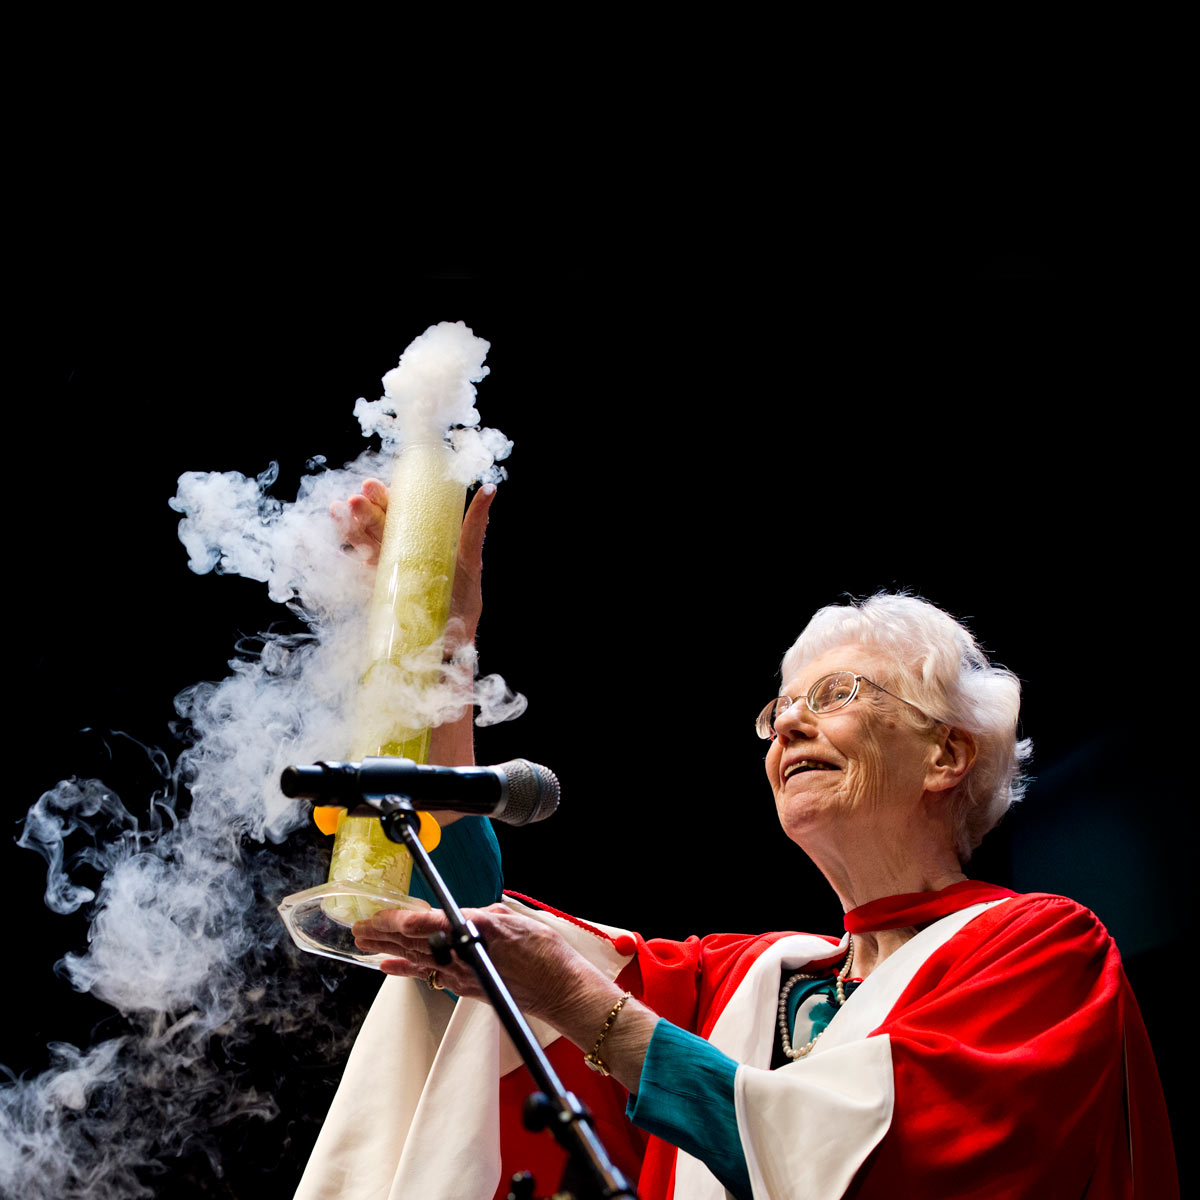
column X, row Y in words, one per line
column 405, row 644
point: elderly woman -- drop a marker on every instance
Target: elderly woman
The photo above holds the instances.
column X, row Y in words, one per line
column 957, row 1040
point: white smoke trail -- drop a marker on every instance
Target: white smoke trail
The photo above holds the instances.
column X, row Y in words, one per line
column 184, row 942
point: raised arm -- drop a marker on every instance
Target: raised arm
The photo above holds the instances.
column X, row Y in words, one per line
column 453, row 744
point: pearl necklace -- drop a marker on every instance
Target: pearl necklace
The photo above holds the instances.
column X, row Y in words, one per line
column 839, row 994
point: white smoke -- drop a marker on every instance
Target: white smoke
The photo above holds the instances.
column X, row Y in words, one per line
column 431, row 391
column 184, row 941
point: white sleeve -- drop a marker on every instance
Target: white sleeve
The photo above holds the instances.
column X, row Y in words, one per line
column 418, row 1109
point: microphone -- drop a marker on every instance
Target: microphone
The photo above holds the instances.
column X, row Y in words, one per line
column 517, row 792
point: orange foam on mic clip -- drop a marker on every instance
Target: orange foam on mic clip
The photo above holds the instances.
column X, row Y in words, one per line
column 328, row 817
column 430, row 832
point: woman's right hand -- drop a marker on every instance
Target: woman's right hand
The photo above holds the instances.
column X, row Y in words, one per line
column 466, row 598
column 360, row 520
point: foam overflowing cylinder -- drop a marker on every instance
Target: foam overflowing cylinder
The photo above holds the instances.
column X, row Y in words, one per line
column 406, row 633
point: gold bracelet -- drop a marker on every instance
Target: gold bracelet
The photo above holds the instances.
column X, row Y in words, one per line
column 593, row 1059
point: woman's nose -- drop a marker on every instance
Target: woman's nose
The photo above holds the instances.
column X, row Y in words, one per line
column 794, row 721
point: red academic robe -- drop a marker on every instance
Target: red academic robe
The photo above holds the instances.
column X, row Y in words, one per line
column 1019, row 1064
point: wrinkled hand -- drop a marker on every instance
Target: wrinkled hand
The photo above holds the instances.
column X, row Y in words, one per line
column 546, row 977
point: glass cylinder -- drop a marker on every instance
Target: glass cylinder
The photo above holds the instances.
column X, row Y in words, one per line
column 405, row 637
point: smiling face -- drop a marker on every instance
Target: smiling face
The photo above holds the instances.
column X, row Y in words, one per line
column 864, row 764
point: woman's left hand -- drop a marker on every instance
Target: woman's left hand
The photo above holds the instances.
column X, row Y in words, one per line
column 543, row 973
column 546, row 977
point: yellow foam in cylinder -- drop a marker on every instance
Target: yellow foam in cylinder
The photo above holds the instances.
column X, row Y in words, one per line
column 405, row 637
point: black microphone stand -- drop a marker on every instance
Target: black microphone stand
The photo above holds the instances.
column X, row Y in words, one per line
column 589, row 1172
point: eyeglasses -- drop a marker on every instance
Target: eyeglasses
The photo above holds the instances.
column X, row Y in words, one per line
column 827, row 695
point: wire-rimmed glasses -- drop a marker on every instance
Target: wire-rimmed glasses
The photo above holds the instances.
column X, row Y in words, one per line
column 827, row 695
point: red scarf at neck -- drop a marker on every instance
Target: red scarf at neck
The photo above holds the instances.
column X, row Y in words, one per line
column 919, row 908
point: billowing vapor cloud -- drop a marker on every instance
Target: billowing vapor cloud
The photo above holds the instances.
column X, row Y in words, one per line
column 184, row 942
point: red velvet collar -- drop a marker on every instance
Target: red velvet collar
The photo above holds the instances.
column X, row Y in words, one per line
column 919, row 908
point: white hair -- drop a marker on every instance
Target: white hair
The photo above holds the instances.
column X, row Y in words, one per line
column 939, row 667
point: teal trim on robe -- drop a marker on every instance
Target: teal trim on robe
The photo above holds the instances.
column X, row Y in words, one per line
column 468, row 859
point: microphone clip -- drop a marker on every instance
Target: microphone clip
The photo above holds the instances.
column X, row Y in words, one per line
column 396, row 814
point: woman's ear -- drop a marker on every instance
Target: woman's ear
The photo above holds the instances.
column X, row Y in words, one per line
column 955, row 752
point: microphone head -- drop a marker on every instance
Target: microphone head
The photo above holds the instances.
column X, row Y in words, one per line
column 532, row 793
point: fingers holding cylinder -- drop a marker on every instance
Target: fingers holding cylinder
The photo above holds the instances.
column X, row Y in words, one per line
column 360, row 520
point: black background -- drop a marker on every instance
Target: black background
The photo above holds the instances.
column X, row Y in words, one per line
column 714, row 435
